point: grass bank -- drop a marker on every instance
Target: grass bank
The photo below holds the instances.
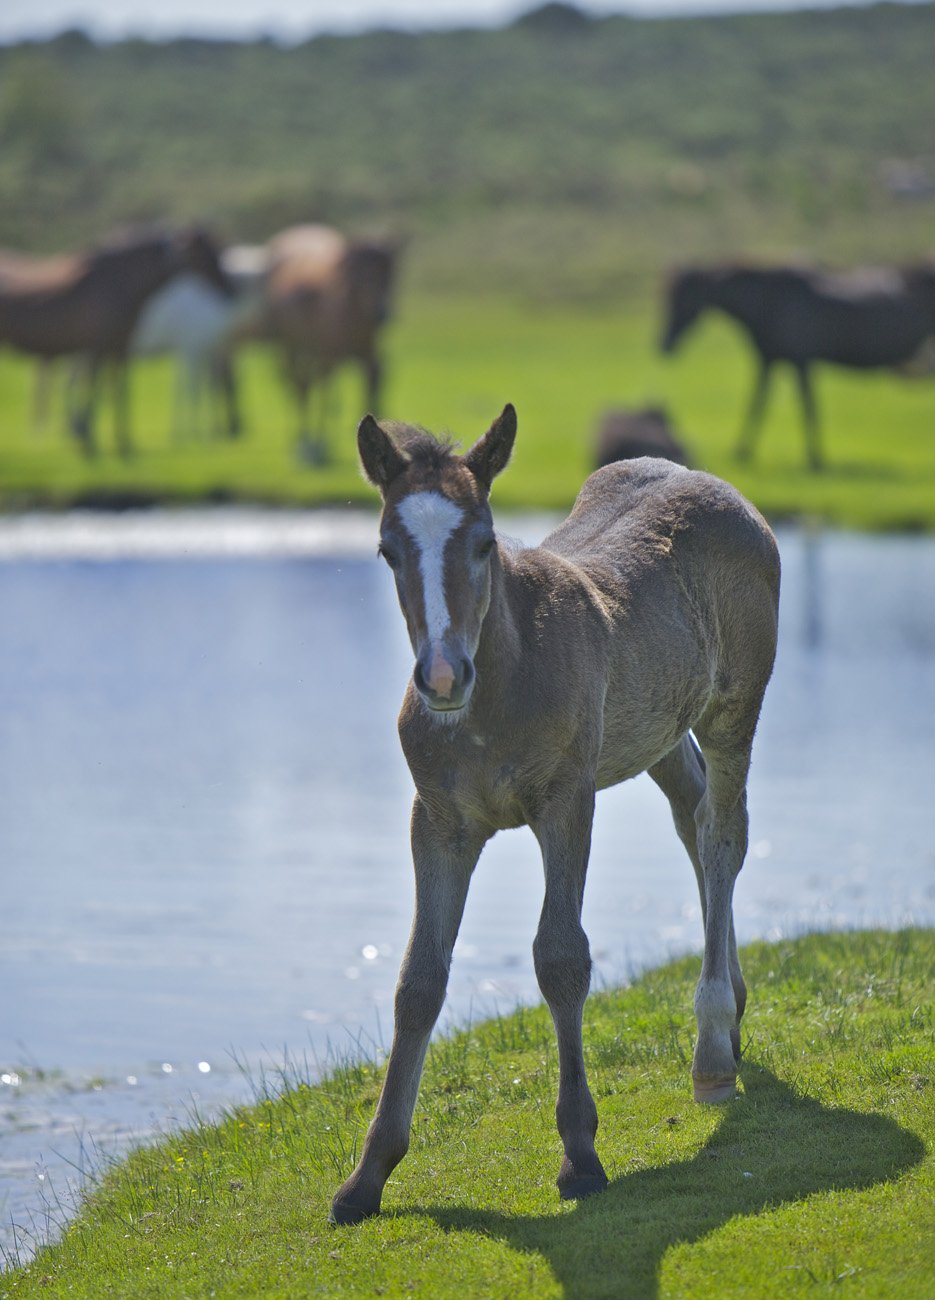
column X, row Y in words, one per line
column 821, row 1174
column 455, row 360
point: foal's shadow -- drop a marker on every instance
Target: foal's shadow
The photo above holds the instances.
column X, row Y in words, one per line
column 773, row 1148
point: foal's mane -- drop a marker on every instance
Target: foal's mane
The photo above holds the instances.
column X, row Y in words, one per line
column 422, row 449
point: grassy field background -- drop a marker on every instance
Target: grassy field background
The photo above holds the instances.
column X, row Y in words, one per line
column 819, row 1179
column 545, row 175
column 454, row 360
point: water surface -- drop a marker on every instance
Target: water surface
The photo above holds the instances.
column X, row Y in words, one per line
column 204, row 820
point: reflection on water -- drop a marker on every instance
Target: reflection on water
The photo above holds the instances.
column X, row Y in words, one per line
column 204, row 828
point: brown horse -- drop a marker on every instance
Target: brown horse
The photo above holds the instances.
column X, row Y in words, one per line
column 327, row 298
column 864, row 319
column 89, row 305
column 544, row 675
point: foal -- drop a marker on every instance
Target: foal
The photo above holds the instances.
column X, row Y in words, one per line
column 543, row 675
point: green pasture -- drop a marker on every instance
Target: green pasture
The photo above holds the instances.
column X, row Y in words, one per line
column 453, row 361
column 818, row 1179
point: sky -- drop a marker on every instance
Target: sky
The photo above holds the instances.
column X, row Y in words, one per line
column 292, row 20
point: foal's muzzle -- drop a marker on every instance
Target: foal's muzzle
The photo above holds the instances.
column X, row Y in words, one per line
column 445, row 685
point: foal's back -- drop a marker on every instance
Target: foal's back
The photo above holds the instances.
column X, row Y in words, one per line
column 688, row 574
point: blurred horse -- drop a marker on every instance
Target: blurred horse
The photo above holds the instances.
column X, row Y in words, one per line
column 625, row 434
column 327, row 298
column 198, row 324
column 88, row 305
column 863, row 319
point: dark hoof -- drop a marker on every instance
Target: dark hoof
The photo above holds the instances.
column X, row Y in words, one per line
column 346, row 1213
column 575, row 1184
column 579, row 1188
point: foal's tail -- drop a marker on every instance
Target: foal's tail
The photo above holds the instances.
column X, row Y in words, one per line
column 697, row 752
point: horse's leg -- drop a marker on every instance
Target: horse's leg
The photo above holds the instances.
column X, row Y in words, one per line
column 563, row 969
column 226, row 380
column 76, row 380
column 304, row 376
column 721, row 819
column 681, row 778
column 81, row 412
column 121, row 387
column 186, row 397
column 297, row 382
column 809, row 415
column 326, row 407
column 42, row 388
column 443, row 865
column 754, row 418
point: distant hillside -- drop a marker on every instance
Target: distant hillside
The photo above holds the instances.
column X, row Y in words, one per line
column 558, row 155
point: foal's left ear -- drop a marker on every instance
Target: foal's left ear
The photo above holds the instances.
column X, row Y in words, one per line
column 491, row 453
column 381, row 460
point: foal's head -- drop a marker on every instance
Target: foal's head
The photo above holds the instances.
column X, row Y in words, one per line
column 436, row 534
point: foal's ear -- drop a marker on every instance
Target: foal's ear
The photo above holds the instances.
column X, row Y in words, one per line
column 381, row 460
column 491, row 453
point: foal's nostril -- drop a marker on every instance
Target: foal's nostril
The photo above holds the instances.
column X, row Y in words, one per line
column 467, row 674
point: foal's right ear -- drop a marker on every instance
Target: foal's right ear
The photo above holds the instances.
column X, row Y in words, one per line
column 381, row 460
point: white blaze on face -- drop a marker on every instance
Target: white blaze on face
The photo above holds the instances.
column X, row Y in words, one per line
column 430, row 519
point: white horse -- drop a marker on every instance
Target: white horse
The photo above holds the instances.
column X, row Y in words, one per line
column 194, row 322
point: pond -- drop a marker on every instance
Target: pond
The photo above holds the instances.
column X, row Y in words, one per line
column 204, row 814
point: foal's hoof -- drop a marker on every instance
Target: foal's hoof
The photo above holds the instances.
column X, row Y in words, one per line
column 712, row 1088
column 575, row 1184
column 346, row 1213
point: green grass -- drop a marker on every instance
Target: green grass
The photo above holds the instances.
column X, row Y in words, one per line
column 455, row 360
column 820, row 1175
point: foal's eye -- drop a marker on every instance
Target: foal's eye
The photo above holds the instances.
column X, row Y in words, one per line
column 485, row 548
column 388, row 555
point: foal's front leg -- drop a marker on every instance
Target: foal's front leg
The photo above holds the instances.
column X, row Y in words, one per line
column 443, row 863
column 563, row 969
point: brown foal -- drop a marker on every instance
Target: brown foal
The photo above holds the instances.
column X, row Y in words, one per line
column 542, row 675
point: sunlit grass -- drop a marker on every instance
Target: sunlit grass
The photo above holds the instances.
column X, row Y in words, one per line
column 454, row 361
column 820, row 1173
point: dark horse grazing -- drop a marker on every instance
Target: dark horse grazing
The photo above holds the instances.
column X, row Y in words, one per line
column 544, row 675
column 864, row 319
column 89, row 305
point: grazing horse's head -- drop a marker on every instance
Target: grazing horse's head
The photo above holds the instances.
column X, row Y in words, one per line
column 689, row 294
column 370, row 270
column 194, row 250
column 436, row 534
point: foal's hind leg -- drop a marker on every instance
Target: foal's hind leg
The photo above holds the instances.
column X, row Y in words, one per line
column 681, row 778
column 563, row 969
column 721, row 821
column 443, row 866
